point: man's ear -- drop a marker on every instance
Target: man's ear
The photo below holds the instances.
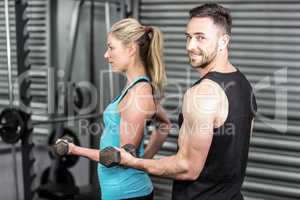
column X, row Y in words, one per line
column 224, row 42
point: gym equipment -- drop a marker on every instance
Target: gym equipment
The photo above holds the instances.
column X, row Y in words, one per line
column 13, row 123
column 110, row 156
column 22, row 55
column 61, row 146
column 13, row 129
column 57, row 185
column 58, row 149
column 57, row 182
column 63, row 176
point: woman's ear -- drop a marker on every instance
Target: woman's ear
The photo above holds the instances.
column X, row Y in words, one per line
column 132, row 48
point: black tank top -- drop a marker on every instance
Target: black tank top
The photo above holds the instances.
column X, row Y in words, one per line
column 225, row 166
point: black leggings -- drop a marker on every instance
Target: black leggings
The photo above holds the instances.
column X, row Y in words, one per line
column 147, row 197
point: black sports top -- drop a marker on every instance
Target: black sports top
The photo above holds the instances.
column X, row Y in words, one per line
column 224, row 170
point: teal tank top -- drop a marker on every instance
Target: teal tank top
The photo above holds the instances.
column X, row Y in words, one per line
column 119, row 182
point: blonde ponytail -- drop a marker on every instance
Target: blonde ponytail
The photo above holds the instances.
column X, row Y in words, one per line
column 150, row 41
column 155, row 63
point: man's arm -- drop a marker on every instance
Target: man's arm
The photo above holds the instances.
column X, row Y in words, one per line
column 199, row 109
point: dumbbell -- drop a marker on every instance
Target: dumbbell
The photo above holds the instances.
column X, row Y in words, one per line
column 111, row 156
column 61, row 147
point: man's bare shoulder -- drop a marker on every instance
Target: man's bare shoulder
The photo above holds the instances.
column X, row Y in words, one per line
column 202, row 97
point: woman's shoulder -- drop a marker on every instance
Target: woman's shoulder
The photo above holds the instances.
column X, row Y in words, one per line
column 141, row 95
column 144, row 87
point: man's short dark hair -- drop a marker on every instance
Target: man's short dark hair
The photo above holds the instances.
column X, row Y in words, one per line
column 220, row 15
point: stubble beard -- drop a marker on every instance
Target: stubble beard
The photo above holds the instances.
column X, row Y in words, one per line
column 206, row 59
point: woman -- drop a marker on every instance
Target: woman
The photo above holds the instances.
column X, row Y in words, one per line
column 136, row 51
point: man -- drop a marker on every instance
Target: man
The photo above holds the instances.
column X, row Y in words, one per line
column 216, row 120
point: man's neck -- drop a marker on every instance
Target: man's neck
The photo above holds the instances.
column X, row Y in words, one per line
column 217, row 65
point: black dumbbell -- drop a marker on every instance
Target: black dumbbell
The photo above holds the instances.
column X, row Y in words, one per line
column 110, row 156
column 61, row 147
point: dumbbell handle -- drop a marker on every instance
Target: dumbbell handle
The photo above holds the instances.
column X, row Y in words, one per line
column 61, row 147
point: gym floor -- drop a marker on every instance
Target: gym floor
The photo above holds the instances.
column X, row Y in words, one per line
column 7, row 185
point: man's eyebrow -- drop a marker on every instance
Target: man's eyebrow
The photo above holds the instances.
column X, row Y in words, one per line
column 197, row 33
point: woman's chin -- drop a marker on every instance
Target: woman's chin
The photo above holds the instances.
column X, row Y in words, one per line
column 116, row 70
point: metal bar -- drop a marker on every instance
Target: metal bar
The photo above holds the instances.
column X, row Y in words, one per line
column 69, row 118
column 73, row 36
column 8, row 54
column 51, row 90
column 135, row 9
column 123, row 9
column 92, row 166
column 105, row 1
column 14, row 154
column 107, row 23
column 10, row 91
column 23, row 66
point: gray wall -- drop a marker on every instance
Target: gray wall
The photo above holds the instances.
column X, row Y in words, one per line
column 264, row 46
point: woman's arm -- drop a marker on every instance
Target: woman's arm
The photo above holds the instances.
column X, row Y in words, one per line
column 92, row 154
column 136, row 108
column 160, row 133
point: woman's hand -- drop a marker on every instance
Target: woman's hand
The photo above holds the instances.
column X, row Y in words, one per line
column 158, row 135
column 162, row 118
column 71, row 147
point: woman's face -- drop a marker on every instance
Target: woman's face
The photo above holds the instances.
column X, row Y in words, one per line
column 117, row 54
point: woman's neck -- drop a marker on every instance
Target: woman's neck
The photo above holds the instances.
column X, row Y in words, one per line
column 135, row 71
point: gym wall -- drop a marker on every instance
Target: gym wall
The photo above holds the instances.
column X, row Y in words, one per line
column 265, row 47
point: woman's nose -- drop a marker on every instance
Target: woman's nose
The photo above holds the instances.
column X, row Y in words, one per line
column 106, row 55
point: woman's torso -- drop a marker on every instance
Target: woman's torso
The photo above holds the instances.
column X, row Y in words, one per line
column 120, row 182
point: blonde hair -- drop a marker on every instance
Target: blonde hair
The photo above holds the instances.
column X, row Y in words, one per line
column 150, row 42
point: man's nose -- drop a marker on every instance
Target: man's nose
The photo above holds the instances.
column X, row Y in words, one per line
column 191, row 44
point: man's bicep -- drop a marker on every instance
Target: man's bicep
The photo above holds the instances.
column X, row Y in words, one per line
column 200, row 110
column 199, row 147
column 194, row 146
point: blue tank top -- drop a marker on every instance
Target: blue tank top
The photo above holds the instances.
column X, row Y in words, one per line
column 119, row 182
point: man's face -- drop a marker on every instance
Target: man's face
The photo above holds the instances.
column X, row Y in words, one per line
column 202, row 37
